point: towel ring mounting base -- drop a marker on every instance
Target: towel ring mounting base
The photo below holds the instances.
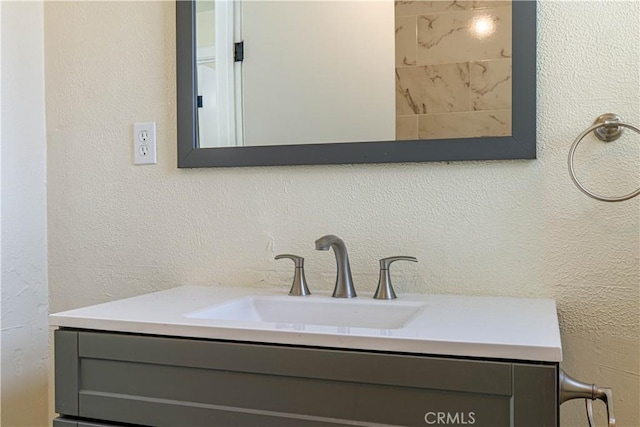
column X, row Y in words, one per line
column 609, row 129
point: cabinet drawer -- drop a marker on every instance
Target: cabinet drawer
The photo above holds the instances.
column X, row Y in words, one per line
column 70, row 422
column 162, row 381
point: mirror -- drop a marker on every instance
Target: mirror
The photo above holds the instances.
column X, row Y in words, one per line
column 326, row 82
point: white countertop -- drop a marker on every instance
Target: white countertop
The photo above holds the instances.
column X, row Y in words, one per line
column 485, row 327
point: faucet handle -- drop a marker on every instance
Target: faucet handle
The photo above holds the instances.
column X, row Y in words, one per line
column 298, row 260
column 299, row 286
column 386, row 262
column 385, row 290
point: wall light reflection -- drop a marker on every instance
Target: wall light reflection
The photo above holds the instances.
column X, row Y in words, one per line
column 483, row 26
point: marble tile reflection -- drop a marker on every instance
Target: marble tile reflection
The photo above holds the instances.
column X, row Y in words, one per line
column 406, row 127
column 483, row 4
column 407, row 8
column 465, row 125
column 464, row 36
column 433, row 89
column 406, row 41
column 490, row 83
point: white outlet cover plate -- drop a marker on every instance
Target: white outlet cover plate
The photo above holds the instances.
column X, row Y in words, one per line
column 144, row 143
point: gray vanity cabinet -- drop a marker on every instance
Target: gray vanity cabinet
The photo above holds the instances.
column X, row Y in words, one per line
column 70, row 422
column 109, row 378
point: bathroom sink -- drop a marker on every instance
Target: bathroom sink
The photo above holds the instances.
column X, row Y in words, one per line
column 450, row 325
column 323, row 311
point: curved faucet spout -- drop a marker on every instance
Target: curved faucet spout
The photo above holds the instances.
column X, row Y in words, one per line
column 344, row 283
column 325, row 242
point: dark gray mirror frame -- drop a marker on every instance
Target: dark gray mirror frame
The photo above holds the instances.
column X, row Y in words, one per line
column 521, row 145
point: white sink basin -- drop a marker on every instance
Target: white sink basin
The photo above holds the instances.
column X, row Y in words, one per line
column 314, row 310
column 451, row 325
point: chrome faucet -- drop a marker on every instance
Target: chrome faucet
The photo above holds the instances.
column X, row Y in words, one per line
column 344, row 283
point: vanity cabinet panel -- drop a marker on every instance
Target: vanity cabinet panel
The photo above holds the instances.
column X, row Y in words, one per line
column 160, row 381
column 66, row 359
column 62, row 422
column 535, row 394
column 70, row 422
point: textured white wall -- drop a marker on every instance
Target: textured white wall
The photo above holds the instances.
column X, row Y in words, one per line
column 24, row 232
column 515, row 228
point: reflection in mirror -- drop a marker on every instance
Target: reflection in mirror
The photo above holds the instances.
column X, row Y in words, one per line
column 453, row 69
column 218, row 74
column 352, row 71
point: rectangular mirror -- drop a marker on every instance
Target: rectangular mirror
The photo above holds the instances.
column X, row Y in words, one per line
column 328, row 82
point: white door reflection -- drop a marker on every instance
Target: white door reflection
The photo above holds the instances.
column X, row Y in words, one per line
column 219, row 73
column 207, row 129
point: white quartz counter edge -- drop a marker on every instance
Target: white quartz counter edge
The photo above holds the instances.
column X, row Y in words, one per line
column 484, row 327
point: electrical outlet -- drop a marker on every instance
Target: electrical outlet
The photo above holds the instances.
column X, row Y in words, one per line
column 144, row 143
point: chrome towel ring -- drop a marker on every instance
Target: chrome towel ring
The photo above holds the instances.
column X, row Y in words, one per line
column 607, row 128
